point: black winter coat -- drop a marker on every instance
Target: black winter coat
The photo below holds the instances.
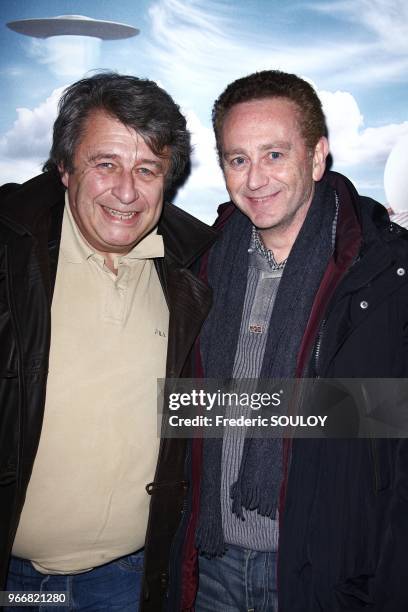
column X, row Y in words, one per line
column 30, row 229
column 345, row 523
column 344, row 502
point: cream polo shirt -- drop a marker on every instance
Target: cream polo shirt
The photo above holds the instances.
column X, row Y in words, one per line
column 86, row 501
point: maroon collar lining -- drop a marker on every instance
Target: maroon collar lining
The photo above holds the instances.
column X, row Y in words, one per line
column 347, row 247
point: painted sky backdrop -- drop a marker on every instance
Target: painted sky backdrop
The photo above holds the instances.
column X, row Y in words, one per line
column 355, row 52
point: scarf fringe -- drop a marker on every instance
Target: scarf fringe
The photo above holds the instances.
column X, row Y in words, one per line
column 253, row 498
column 210, row 540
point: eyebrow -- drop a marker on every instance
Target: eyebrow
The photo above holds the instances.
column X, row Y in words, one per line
column 97, row 156
column 279, row 144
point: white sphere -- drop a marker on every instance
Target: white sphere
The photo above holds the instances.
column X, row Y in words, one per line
column 396, row 176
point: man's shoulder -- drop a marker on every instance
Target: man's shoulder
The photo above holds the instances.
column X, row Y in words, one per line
column 22, row 204
column 376, row 217
column 7, row 189
column 373, row 217
column 185, row 237
column 43, row 184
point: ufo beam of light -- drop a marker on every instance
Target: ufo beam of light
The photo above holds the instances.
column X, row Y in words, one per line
column 72, row 25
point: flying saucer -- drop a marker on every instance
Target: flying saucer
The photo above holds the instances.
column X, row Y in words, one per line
column 72, row 25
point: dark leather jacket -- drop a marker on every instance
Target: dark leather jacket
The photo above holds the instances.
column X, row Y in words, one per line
column 30, row 229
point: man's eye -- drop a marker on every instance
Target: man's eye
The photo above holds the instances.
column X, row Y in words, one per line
column 237, row 161
column 145, row 171
column 275, row 155
column 105, row 165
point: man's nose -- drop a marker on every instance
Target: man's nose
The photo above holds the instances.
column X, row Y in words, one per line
column 257, row 176
column 125, row 188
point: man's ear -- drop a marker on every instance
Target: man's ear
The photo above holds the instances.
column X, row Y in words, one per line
column 64, row 175
column 320, row 153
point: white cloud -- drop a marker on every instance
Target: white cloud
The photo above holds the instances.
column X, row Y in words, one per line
column 205, row 186
column 30, row 136
column 386, row 19
column 205, row 168
column 351, row 142
column 13, row 71
column 383, row 24
column 389, row 20
column 18, row 171
column 366, row 185
column 67, row 56
column 211, row 46
column 210, row 49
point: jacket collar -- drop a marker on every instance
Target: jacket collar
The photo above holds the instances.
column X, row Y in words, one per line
column 364, row 232
column 24, row 207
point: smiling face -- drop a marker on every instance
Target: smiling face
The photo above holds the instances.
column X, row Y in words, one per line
column 269, row 170
column 116, row 189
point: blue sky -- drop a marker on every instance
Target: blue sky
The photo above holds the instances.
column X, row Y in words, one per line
column 355, row 52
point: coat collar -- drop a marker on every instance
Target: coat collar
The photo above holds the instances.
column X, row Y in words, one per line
column 24, row 207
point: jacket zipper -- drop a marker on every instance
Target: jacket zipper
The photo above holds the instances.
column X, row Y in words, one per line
column 321, row 333
column 318, row 346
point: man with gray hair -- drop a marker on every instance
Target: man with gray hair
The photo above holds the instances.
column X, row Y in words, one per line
column 97, row 303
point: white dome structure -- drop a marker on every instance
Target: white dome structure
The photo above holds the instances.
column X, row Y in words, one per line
column 396, row 176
